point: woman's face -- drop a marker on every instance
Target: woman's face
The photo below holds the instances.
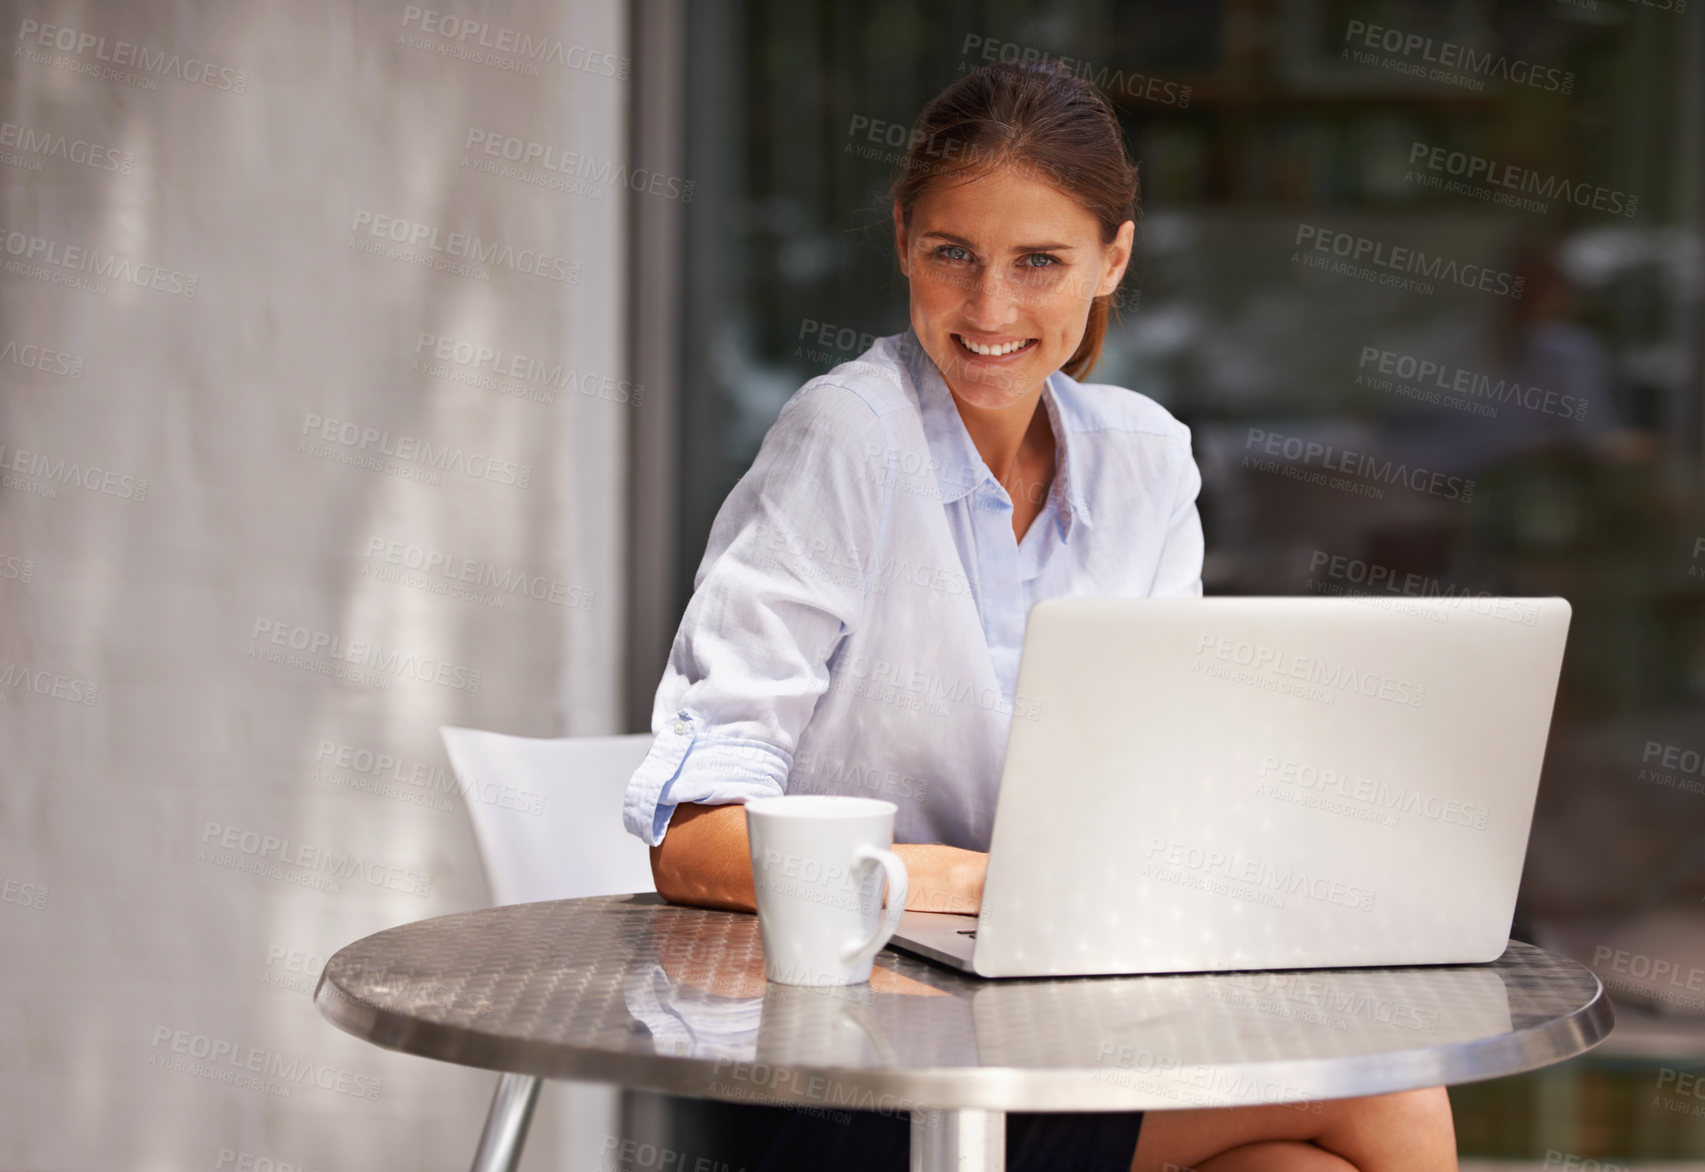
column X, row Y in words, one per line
column 1002, row 270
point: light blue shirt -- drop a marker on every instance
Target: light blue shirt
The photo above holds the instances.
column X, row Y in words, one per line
column 856, row 621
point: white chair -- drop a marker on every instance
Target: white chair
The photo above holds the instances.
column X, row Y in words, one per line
column 547, row 814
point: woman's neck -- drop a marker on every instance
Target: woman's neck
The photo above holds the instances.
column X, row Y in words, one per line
column 1012, row 440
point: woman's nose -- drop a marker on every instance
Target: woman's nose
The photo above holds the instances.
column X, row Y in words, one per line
column 991, row 302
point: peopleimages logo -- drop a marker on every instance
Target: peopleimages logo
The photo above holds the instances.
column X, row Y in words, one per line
column 482, row 365
column 126, row 55
column 266, row 854
column 1193, row 1082
column 49, row 144
column 388, row 775
column 88, row 269
column 923, row 688
column 1385, row 797
column 837, row 775
column 1477, row 176
column 1132, row 85
column 1570, row 1162
column 1272, row 882
column 365, row 660
column 1336, row 574
column 931, row 154
column 412, row 237
column 24, row 469
column 30, row 895
column 819, row 557
column 1468, row 390
column 1446, row 61
column 250, row 1066
column 826, row 341
column 42, row 359
column 232, row 1160
column 761, row 1082
column 296, row 972
column 1310, row 453
column 1676, row 6
column 1686, row 766
column 372, row 442
column 453, row 574
column 1683, row 1084
column 1310, row 669
column 1655, row 969
column 810, row 880
column 1334, row 998
column 1353, row 250
column 20, row 677
column 513, row 50
column 548, row 166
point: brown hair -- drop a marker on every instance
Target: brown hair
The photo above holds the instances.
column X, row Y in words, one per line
column 1041, row 117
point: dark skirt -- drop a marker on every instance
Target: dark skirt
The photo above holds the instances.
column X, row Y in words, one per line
column 788, row 1139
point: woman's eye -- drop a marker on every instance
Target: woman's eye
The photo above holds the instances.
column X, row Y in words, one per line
column 952, row 252
column 1040, row 260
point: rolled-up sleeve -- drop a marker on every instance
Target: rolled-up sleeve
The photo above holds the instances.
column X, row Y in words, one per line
column 784, row 576
column 1179, row 571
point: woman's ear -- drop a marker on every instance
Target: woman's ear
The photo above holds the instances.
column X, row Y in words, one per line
column 900, row 239
column 1118, row 258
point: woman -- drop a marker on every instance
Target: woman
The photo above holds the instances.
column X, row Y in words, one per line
column 857, row 618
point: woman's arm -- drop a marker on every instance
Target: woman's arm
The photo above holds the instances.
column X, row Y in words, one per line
column 749, row 661
column 705, row 860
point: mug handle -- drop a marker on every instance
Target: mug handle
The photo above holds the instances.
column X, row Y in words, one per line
column 857, row 954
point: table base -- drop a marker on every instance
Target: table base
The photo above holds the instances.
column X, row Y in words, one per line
column 958, row 1141
column 506, row 1123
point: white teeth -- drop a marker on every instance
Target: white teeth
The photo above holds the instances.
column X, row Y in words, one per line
column 991, row 351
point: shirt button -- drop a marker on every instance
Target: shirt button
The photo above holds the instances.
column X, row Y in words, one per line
column 680, row 727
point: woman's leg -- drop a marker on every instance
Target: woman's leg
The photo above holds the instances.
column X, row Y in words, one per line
column 1409, row 1131
column 1276, row 1155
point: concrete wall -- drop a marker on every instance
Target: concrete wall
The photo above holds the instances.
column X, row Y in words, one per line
column 258, row 539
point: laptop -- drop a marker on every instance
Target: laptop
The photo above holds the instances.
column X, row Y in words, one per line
column 1216, row 784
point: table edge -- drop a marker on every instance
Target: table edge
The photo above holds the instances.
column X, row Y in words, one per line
column 991, row 1088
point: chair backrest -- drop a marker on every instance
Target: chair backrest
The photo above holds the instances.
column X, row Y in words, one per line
column 547, row 813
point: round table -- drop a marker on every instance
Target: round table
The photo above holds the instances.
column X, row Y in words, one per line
column 629, row 990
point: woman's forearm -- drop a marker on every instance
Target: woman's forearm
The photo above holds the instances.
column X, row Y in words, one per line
column 705, row 861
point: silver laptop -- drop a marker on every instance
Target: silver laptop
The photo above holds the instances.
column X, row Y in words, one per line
column 1262, row 783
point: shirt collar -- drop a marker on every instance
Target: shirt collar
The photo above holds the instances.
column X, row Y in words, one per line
column 959, row 468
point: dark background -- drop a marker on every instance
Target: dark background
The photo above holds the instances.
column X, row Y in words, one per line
column 1251, row 123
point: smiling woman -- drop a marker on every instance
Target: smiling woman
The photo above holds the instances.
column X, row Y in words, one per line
column 1009, row 142
column 814, row 658
column 1014, row 214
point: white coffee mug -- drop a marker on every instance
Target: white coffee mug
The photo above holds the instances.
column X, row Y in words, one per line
column 818, row 862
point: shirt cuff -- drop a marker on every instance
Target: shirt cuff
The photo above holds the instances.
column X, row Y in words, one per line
column 685, row 766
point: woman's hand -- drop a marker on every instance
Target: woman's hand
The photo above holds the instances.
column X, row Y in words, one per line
column 943, row 878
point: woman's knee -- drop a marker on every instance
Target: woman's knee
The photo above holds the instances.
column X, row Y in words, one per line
column 1184, row 1139
column 1427, row 1108
column 1407, row 1131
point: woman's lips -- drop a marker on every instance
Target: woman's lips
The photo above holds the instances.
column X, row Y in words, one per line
column 995, row 352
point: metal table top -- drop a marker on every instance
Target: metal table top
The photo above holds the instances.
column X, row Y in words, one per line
column 628, row 990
